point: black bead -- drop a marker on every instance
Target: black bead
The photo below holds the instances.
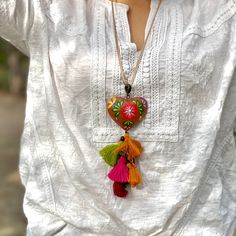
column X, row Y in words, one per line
column 122, row 138
column 128, row 88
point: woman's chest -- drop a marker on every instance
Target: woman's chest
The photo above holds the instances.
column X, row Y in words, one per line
column 180, row 74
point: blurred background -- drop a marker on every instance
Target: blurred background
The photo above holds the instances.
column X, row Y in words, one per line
column 13, row 80
column 13, row 77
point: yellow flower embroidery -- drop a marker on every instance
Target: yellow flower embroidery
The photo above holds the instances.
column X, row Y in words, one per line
column 111, row 102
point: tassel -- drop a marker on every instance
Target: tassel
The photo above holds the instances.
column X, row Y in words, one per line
column 109, row 155
column 119, row 189
column 119, row 173
column 131, row 146
column 134, row 176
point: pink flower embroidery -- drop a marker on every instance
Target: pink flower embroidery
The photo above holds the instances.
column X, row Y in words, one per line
column 130, row 110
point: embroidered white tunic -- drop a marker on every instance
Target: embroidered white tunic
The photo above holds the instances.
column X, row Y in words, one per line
column 187, row 75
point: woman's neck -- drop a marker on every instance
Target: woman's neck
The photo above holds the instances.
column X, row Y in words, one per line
column 137, row 16
column 134, row 3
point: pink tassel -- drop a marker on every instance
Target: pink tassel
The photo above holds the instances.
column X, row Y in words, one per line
column 119, row 173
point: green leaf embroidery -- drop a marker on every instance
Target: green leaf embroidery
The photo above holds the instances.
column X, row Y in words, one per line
column 128, row 123
column 117, row 107
column 139, row 106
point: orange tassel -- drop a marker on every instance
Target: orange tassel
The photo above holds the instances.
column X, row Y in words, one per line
column 134, row 176
column 131, row 146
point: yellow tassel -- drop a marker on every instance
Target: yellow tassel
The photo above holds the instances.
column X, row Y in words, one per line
column 131, row 146
column 134, row 176
column 108, row 154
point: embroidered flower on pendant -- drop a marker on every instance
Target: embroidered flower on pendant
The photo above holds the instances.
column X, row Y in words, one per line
column 129, row 110
column 111, row 102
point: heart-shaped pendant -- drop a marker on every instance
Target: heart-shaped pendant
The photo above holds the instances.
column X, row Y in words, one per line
column 127, row 112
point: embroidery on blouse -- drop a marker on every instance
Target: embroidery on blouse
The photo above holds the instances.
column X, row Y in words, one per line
column 158, row 78
column 152, row 61
column 98, row 81
column 153, row 127
column 203, row 182
column 225, row 13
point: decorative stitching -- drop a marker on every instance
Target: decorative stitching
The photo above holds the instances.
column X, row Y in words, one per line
column 98, row 80
column 117, row 88
column 103, row 134
column 225, row 14
column 211, row 164
column 172, row 78
column 149, row 70
column 66, row 24
column 154, row 73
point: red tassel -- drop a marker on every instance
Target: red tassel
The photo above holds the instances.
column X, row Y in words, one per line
column 119, row 189
column 119, row 173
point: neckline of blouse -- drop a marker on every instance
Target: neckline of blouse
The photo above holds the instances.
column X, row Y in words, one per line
column 125, row 7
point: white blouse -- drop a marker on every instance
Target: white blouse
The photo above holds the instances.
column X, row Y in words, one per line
column 188, row 77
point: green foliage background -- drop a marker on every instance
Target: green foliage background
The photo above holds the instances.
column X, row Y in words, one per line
column 5, row 48
column 4, row 85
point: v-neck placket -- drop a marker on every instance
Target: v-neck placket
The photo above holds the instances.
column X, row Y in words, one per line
column 129, row 52
column 122, row 21
column 158, row 77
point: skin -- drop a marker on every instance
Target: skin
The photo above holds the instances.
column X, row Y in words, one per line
column 137, row 15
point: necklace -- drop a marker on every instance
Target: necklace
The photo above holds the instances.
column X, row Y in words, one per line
column 127, row 113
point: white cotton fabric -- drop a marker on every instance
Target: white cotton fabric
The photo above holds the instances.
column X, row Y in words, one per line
column 187, row 75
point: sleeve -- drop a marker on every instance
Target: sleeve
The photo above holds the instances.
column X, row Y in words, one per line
column 16, row 20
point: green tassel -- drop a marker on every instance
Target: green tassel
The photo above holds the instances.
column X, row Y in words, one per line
column 108, row 154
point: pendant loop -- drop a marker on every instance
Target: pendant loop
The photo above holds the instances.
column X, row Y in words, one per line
column 128, row 88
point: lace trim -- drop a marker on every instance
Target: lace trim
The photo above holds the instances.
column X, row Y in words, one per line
column 147, row 82
column 225, row 14
column 117, row 84
column 98, row 102
column 154, row 74
column 172, row 82
column 111, row 134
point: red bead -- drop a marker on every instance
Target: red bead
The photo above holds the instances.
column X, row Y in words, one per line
column 119, row 189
